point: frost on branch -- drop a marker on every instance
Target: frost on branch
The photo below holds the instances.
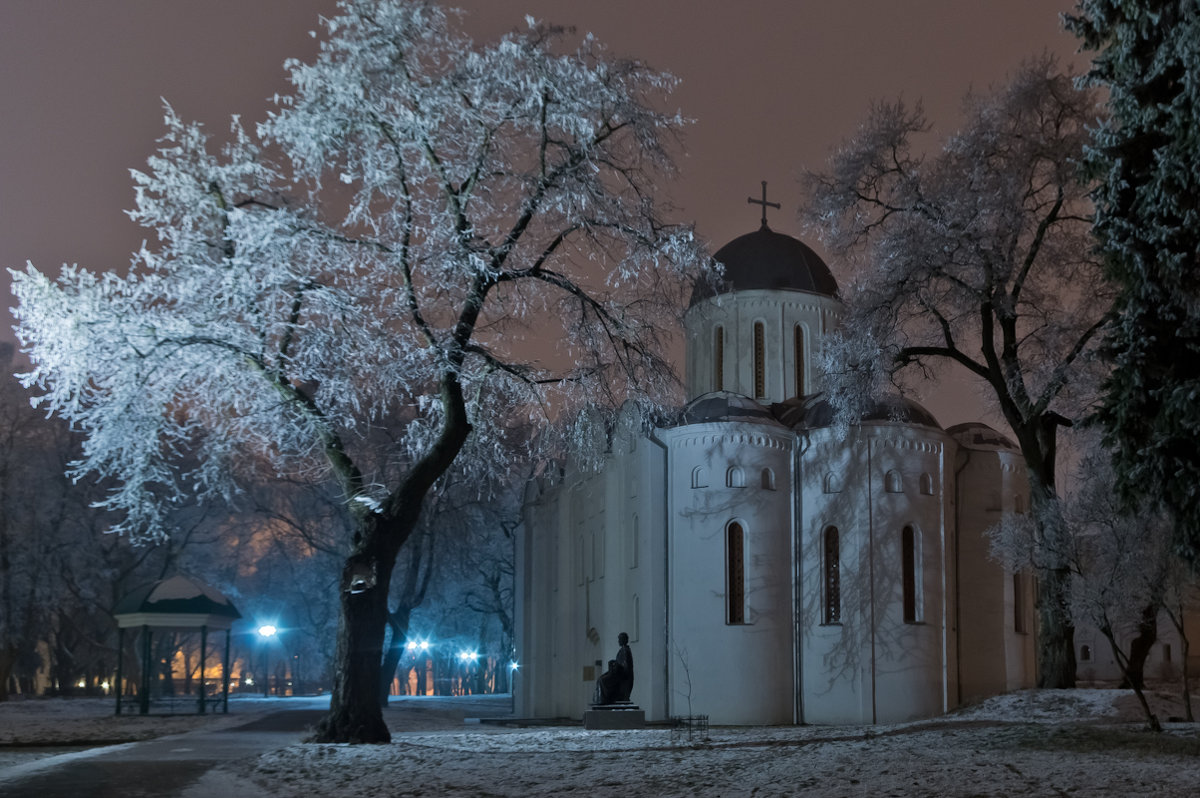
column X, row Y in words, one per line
column 394, row 245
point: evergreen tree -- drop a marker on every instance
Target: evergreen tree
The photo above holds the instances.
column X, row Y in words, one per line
column 1147, row 156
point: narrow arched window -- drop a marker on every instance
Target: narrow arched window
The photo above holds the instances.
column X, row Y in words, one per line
column 799, row 347
column 1085, row 653
column 833, row 483
column 735, row 561
column 909, row 569
column 735, row 477
column 926, row 485
column 768, row 479
column 832, row 576
column 699, row 477
column 892, row 482
column 760, row 361
column 719, row 359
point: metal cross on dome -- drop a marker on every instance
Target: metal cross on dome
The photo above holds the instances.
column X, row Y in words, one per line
column 763, row 202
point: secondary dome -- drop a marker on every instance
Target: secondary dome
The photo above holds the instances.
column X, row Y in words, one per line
column 770, row 260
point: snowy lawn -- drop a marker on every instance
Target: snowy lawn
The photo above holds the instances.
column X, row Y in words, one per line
column 90, row 721
column 1071, row 742
column 1084, row 742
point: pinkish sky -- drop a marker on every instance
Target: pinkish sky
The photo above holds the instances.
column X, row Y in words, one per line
column 773, row 86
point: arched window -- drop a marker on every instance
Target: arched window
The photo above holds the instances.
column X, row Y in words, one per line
column 926, row 485
column 833, row 483
column 768, row 479
column 1085, row 653
column 699, row 477
column 892, row 482
column 760, row 361
column 910, row 569
column 799, row 347
column 719, row 359
column 735, row 561
column 832, row 577
column 735, row 477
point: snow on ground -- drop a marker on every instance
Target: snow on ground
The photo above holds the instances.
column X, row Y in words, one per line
column 1077, row 742
column 1086, row 742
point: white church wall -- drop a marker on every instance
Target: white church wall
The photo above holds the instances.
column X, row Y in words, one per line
column 735, row 670
column 780, row 313
column 835, row 667
column 996, row 610
column 873, row 665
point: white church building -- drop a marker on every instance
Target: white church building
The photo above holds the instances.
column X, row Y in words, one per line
column 766, row 570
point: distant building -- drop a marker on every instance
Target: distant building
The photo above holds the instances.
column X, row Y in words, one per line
column 766, row 570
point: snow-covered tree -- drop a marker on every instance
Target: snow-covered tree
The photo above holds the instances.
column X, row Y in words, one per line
column 380, row 247
column 1146, row 154
column 976, row 257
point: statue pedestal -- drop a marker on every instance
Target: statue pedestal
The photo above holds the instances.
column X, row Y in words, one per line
column 625, row 715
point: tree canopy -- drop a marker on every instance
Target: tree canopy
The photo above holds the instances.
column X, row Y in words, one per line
column 378, row 248
column 1146, row 155
column 977, row 257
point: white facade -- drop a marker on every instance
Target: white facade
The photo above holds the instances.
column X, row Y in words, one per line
column 765, row 570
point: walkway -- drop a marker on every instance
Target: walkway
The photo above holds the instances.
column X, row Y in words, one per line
column 177, row 766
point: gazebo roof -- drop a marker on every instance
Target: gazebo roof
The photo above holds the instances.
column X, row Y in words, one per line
column 176, row 602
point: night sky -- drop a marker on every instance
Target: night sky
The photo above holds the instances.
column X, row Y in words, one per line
column 773, row 86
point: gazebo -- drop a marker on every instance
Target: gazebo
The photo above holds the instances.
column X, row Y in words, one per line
column 178, row 603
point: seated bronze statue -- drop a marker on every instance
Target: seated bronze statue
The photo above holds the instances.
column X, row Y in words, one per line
column 616, row 684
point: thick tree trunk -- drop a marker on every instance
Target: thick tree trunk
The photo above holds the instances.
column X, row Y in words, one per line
column 1139, row 648
column 1056, row 632
column 355, row 713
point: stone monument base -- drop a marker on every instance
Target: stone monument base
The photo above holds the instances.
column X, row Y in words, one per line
column 626, row 715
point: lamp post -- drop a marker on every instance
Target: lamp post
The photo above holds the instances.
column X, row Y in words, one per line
column 265, row 633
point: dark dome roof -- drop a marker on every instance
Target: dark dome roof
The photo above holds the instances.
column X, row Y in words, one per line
column 977, row 435
column 724, row 406
column 766, row 259
column 814, row 412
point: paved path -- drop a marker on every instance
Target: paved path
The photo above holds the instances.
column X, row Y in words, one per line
column 176, row 766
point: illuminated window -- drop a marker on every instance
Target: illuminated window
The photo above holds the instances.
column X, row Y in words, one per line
column 832, row 566
column 719, row 359
column 799, row 360
column 760, row 361
column 909, row 566
column 735, row 559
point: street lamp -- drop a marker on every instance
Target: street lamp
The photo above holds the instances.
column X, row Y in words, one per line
column 266, row 632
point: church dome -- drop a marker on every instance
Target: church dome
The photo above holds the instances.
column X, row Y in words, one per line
column 815, row 412
column 724, row 406
column 765, row 259
column 977, row 435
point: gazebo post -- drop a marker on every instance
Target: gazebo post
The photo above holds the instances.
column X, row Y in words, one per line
column 203, row 657
column 120, row 662
column 144, row 698
column 225, row 673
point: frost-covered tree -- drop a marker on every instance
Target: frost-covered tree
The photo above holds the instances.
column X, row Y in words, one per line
column 976, row 257
column 377, row 249
column 1146, row 154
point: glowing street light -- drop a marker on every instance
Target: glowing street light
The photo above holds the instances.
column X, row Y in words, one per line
column 265, row 633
